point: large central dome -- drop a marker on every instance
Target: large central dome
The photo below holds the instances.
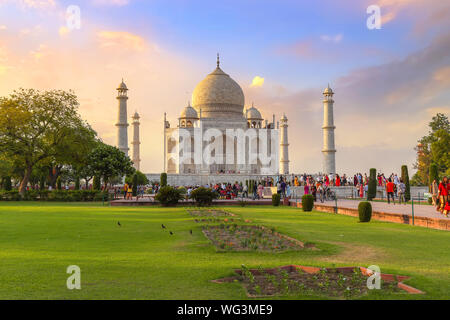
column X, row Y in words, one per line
column 218, row 96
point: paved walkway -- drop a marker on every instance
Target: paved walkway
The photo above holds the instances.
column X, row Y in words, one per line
column 419, row 210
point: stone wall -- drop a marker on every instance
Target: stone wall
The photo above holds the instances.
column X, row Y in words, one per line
column 203, row 179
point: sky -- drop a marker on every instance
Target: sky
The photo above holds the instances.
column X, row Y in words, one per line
column 388, row 82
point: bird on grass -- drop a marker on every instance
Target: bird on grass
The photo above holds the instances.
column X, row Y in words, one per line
column 163, row 226
column 118, row 223
column 171, row 233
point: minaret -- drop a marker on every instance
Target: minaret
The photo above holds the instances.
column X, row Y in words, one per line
column 284, row 146
column 122, row 123
column 329, row 150
column 136, row 143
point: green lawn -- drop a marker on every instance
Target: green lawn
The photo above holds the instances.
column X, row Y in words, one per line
column 141, row 261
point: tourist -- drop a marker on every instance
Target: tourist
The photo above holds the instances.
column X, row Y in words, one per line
column 283, row 188
column 255, row 191
column 260, row 191
column 129, row 192
column 361, row 190
column 321, row 191
column 288, row 190
column 434, row 192
column 444, row 188
column 125, row 190
column 390, row 191
column 245, row 191
column 314, row 192
column 401, row 190
column 306, row 189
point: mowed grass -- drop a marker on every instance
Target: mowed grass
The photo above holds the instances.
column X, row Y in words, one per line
column 140, row 260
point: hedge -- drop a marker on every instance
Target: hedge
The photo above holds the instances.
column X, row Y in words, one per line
column 365, row 211
column 307, row 202
column 372, row 188
column 276, row 199
column 55, row 195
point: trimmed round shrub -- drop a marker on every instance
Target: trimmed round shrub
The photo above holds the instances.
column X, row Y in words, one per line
column 163, row 179
column 276, row 199
column 372, row 189
column 96, row 183
column 168, row 196
column 135, row 185
column 405, row 178
column 58, row 183
column 307, row 202
column 365, row 211
column 203, row 196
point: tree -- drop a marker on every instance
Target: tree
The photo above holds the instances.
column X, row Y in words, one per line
column 372, row 188
column 41, row 126
column 440, row 151
column 107, row 162
column 77, row 183
column 437, row 136
column 163, row 179
column 405, row 179
column 58, row 183
column 434, row 175
column 6, row 183
column 96, row 183
column 42, row 183
column 135, row 185
column 141, row 179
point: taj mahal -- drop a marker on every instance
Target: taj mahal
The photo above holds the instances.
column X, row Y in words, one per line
column 218, row 139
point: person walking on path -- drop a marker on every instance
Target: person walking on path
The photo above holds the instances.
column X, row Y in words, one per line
column 245, row 191
column 390, row 191
column 260, row 191
column 129, row 192
column 444, row 188
column 434, row 192
column 401, row 190
column 125, row 191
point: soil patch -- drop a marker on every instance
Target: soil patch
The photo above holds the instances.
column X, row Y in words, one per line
column 341, row 283
column 210, row 213
column 234, row 237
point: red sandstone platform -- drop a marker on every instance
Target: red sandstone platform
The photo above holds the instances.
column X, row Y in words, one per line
column 424, row 215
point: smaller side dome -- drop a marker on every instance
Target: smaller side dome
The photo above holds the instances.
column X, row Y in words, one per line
column 189, row 113
column 253, row 113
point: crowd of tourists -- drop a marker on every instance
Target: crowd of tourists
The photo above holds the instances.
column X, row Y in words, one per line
column 440, row 195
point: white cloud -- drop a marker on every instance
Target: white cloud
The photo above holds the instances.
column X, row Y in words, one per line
column 257, row 82
column 328, row 38
column 111, row 2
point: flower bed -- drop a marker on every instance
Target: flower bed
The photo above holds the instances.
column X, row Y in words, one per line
column 210, row 213
column 221, row 220
column 347, row 283
column 234, row 237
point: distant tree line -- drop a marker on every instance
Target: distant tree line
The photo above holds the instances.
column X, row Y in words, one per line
column 44, row 142
column 433, row 152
